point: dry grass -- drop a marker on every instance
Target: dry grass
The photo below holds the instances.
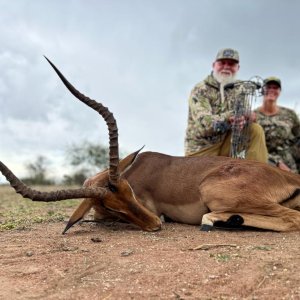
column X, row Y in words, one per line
column 19, row 213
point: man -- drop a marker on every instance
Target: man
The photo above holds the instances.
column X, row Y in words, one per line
column 211, row 113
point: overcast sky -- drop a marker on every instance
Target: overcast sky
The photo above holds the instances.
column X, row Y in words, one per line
column 140, row 58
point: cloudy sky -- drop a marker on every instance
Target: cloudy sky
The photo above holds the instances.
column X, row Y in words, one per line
column 140, row 58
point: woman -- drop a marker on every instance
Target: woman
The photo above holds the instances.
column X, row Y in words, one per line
column 281, row 126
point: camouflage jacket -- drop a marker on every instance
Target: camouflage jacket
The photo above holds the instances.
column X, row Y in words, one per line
column 282, row 133
column 208, row 115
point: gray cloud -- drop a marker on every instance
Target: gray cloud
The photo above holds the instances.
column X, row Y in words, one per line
column 141, row 58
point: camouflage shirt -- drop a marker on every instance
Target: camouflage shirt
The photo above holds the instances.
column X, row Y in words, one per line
column 206, row 110
column 282, row 136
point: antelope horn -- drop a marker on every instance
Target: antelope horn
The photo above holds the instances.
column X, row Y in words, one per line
column 35, row 195
column 110, row 122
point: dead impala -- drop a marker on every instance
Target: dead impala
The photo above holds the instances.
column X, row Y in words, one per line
column 193, row 190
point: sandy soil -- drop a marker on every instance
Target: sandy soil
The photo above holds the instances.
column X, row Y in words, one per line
column 118, row 261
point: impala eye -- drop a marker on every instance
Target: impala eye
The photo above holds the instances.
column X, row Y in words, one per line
column 112, row 188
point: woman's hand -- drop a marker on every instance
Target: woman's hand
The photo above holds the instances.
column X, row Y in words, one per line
column 281, row 165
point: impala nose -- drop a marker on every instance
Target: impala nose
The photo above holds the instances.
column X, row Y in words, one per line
column 156, row 226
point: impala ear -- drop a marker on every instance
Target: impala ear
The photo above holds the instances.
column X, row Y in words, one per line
column 79, row 213
column 126, row 162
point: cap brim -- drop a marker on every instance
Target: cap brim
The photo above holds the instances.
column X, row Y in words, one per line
column 227, row 58
column 273, row 81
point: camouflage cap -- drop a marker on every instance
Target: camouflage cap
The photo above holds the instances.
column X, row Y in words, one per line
column 272, row 79
column 228, row 53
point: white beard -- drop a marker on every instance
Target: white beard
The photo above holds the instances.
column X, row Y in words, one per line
column 224, row 78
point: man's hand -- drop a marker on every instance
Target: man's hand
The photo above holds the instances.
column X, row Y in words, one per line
column 239, row 122
column 242, row 120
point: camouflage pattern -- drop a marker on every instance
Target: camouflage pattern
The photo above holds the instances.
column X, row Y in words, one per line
column 228, row 53
column 208, row 115
column 296, row 154
column 282, row 136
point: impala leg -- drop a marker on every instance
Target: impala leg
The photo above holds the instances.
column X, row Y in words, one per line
column 79, row 213
column 293, row 203
column 230, row 220
column 285, row 220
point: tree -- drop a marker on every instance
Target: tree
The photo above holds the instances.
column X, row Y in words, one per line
column 38, row 172
column 86, row 158
column 76, row 178
column 89, row 155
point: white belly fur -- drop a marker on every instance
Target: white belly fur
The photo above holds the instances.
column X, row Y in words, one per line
column 184, row 213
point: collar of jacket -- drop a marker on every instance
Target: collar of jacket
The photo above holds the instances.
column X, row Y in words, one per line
column 211, row 81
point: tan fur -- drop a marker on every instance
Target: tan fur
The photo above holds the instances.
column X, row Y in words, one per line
column 197, row 190
column 115, row 205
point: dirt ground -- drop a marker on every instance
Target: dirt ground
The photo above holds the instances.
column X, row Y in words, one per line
column 118, row 261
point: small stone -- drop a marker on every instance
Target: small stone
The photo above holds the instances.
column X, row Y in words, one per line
column 29, row 253
column 96, row 240
column 127, row 252
column 66, row 248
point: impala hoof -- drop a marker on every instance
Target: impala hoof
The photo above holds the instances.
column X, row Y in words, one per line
column 205, row 227
column 235, row 221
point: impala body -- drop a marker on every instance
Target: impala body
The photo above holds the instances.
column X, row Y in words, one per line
column 206, row 190
column 193, row 190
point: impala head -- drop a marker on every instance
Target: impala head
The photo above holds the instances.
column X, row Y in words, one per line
column 115, row 196
column 119, row 201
